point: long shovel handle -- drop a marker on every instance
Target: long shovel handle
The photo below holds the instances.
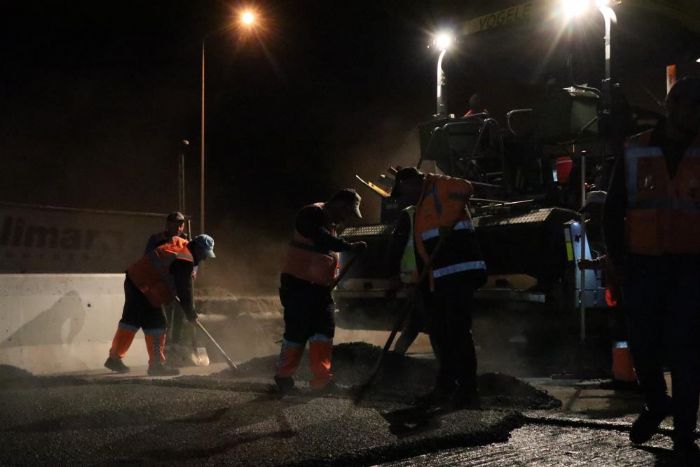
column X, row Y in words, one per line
column 345, row 269
column 397, row 325
column 216, row 344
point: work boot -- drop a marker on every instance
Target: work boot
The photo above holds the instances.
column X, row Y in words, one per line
column 285, row 384
column 465, row 400
column 116, row 364
column 647, row 423
column 160, row 369
column 438, row 396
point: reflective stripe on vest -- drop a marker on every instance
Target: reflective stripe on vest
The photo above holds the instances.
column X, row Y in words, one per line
column 459, row 267
column 461, row 225
column 443, row 203
column 306, row 261
column 663, row 213
column 151, row 274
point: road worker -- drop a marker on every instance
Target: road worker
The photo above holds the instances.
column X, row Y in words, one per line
column 652, row 231
column 305, row 288
column 174, row 227
column 447, row 246
column 158, row 278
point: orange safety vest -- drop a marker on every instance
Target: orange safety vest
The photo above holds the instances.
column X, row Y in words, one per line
column 443, row 203
column 663, row 213
column 308, row 262
column 151, row 274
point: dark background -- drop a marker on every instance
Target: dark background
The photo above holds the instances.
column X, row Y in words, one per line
column 97, row 97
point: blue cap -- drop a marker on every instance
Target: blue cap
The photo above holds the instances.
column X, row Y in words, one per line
column 205, row 244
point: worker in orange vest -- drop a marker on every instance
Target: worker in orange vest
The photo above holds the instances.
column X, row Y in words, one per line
column 652, row 230
column 174, row 227
column 446, row 244
column 305, row 288
column 158, row 278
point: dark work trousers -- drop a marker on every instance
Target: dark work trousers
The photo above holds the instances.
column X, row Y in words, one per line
column 418, row 320
column 308, row 310
column 451, row 306
column 662, row 301
column 175, row 317
column 138, row 312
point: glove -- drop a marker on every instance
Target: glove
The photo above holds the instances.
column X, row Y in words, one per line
column 192, row 316
column 358, row 246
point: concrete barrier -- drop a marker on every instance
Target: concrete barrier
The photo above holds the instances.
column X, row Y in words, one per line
column 53, row 323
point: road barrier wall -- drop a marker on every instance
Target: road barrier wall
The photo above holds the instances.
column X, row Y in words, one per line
column 58, row 323
column 53, row 323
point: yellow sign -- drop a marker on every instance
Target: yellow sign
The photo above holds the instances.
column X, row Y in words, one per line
column 512, row 15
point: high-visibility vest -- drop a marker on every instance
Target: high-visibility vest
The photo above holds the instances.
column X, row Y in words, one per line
column 151, row 274
column 443, row 203
column 409, row 268
column 308, row 262
column 663, row 213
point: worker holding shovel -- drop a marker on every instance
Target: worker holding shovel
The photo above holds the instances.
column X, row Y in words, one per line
column 158, row 278
column 452, row 267
column 307, row 278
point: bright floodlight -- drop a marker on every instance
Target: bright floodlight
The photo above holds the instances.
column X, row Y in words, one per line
column 443, row 40
column 574, row 8
column 698, row 60
column 248, row 18
column 602, row 3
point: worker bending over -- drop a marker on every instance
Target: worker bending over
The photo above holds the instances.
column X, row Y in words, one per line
column 158, row 278
column 305, row 287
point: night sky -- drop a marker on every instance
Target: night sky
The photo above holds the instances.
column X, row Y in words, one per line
column 96, row 97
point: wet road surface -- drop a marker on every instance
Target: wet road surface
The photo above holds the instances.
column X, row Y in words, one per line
column 220, row 418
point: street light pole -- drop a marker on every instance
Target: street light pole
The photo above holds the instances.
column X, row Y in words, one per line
column 440, row 83
column 442, row 41
column 202, row 144
column 247, row 18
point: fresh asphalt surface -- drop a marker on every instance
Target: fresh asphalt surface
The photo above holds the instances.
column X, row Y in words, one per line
column 210, row 417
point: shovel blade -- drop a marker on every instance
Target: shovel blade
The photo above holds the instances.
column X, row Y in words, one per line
column 200, row 357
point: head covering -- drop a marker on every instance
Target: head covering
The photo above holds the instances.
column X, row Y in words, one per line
column 349, row 197
column 175, row 216
column 404, row 175
column 204, row 244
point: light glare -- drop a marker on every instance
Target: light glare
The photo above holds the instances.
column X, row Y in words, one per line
column 248, row 18
column 574, row 8
column 443, row 40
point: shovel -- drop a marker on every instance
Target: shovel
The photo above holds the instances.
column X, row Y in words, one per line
column 230, row 363
column 200, row 357
column 362, row 390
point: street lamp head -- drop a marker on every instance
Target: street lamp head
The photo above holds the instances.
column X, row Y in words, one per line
column 443, row 40
column 248, row 18
column 574, row 8
column 571, row 9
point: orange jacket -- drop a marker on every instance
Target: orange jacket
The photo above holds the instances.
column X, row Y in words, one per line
column 151, row 274
column 663, row 213
column 310, row 263
column 443, row 204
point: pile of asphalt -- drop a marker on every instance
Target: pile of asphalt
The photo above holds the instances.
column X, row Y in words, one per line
column 12, row 377
column 402, row 376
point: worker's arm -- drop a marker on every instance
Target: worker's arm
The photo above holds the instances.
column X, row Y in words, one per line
column 310, row 224
column 184, row 286
column 614, row 213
